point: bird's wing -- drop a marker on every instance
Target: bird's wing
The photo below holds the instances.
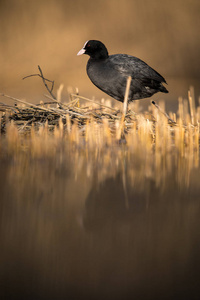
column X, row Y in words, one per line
column 132, row 66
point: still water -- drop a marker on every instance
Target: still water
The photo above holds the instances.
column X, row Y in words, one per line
column 100, row 224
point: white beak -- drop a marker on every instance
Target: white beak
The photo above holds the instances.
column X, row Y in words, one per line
column 82, row 51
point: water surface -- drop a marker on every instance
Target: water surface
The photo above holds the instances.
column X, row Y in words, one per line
column 107, row 224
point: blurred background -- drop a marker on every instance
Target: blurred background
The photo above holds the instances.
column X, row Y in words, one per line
column 165, row 34
column 67, row 227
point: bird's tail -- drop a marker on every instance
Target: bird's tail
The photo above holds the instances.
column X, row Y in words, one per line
column 163, row 89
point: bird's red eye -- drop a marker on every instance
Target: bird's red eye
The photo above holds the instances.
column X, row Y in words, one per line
column 88, row 45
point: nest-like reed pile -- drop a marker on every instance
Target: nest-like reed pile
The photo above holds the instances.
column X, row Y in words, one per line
column 28, row 114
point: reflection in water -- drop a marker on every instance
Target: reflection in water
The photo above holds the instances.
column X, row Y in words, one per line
column 117, row 221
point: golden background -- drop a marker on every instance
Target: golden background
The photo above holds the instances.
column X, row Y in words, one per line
column 165, row 34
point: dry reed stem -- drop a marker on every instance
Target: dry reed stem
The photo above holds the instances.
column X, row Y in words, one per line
column 162, row 112
column 125, row 105
column 95, row 102
column 192, row 106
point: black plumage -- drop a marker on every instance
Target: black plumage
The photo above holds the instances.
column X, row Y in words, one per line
column 110, row 72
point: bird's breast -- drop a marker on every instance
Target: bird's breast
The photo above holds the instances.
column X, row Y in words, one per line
column 99, row 73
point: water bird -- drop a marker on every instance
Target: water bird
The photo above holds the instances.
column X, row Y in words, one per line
column 110, row 72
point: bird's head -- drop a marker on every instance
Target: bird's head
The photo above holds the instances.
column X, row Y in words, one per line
column 95, row 49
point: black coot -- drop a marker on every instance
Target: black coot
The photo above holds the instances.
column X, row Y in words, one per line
column 110, row 72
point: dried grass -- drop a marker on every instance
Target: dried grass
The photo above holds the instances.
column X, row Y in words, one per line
column 110, row 123
column 153, row 139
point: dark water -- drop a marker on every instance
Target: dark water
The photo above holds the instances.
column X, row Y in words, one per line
column 99, row 225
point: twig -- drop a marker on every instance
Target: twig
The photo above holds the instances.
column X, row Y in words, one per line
column 55, row 111
column 61, row 105
column 44, row 81
column 24, row 102
column 163, row 112
column 5, row 106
